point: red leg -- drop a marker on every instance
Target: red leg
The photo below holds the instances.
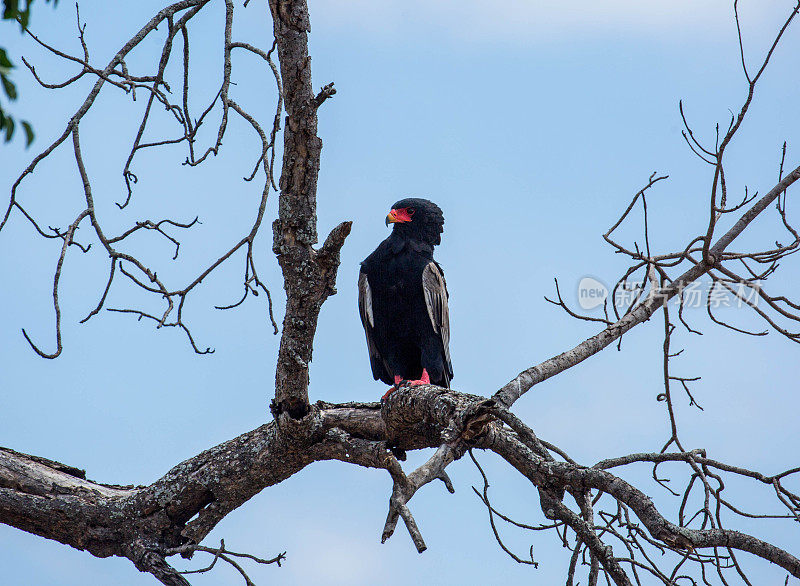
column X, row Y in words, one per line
column 424, row 380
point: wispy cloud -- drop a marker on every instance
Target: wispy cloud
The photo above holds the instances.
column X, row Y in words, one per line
column 531, row 21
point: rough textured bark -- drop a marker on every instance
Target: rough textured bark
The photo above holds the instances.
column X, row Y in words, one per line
column 309, row 276
column 143, row 523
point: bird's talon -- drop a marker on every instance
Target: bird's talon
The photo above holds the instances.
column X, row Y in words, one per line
column 389, row 392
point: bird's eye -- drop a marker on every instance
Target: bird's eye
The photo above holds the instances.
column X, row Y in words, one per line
column 410, row 211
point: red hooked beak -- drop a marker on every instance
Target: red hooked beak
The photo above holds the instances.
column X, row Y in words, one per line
column 398, row 216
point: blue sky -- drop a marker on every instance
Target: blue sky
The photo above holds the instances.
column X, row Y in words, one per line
column 531, row 126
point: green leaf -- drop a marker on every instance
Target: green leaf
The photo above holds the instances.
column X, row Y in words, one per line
column 5, row 62
column 9, row 87
column 26, row 126
column 9, row 128
column 11, row 9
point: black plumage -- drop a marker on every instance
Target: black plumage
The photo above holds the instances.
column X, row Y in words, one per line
column 402, row 298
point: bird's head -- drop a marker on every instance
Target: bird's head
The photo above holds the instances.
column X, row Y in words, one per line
column 417, row 218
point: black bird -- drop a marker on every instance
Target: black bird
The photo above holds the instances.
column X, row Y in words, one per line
column 402, row 299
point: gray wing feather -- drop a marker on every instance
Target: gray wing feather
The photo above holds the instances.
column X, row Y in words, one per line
column 365, row 301
column 379, row 369
column 435, row 288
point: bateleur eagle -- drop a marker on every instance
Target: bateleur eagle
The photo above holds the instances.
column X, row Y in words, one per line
column 402, row 299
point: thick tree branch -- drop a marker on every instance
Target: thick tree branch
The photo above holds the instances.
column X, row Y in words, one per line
column 175, row 513
column 309, row 277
